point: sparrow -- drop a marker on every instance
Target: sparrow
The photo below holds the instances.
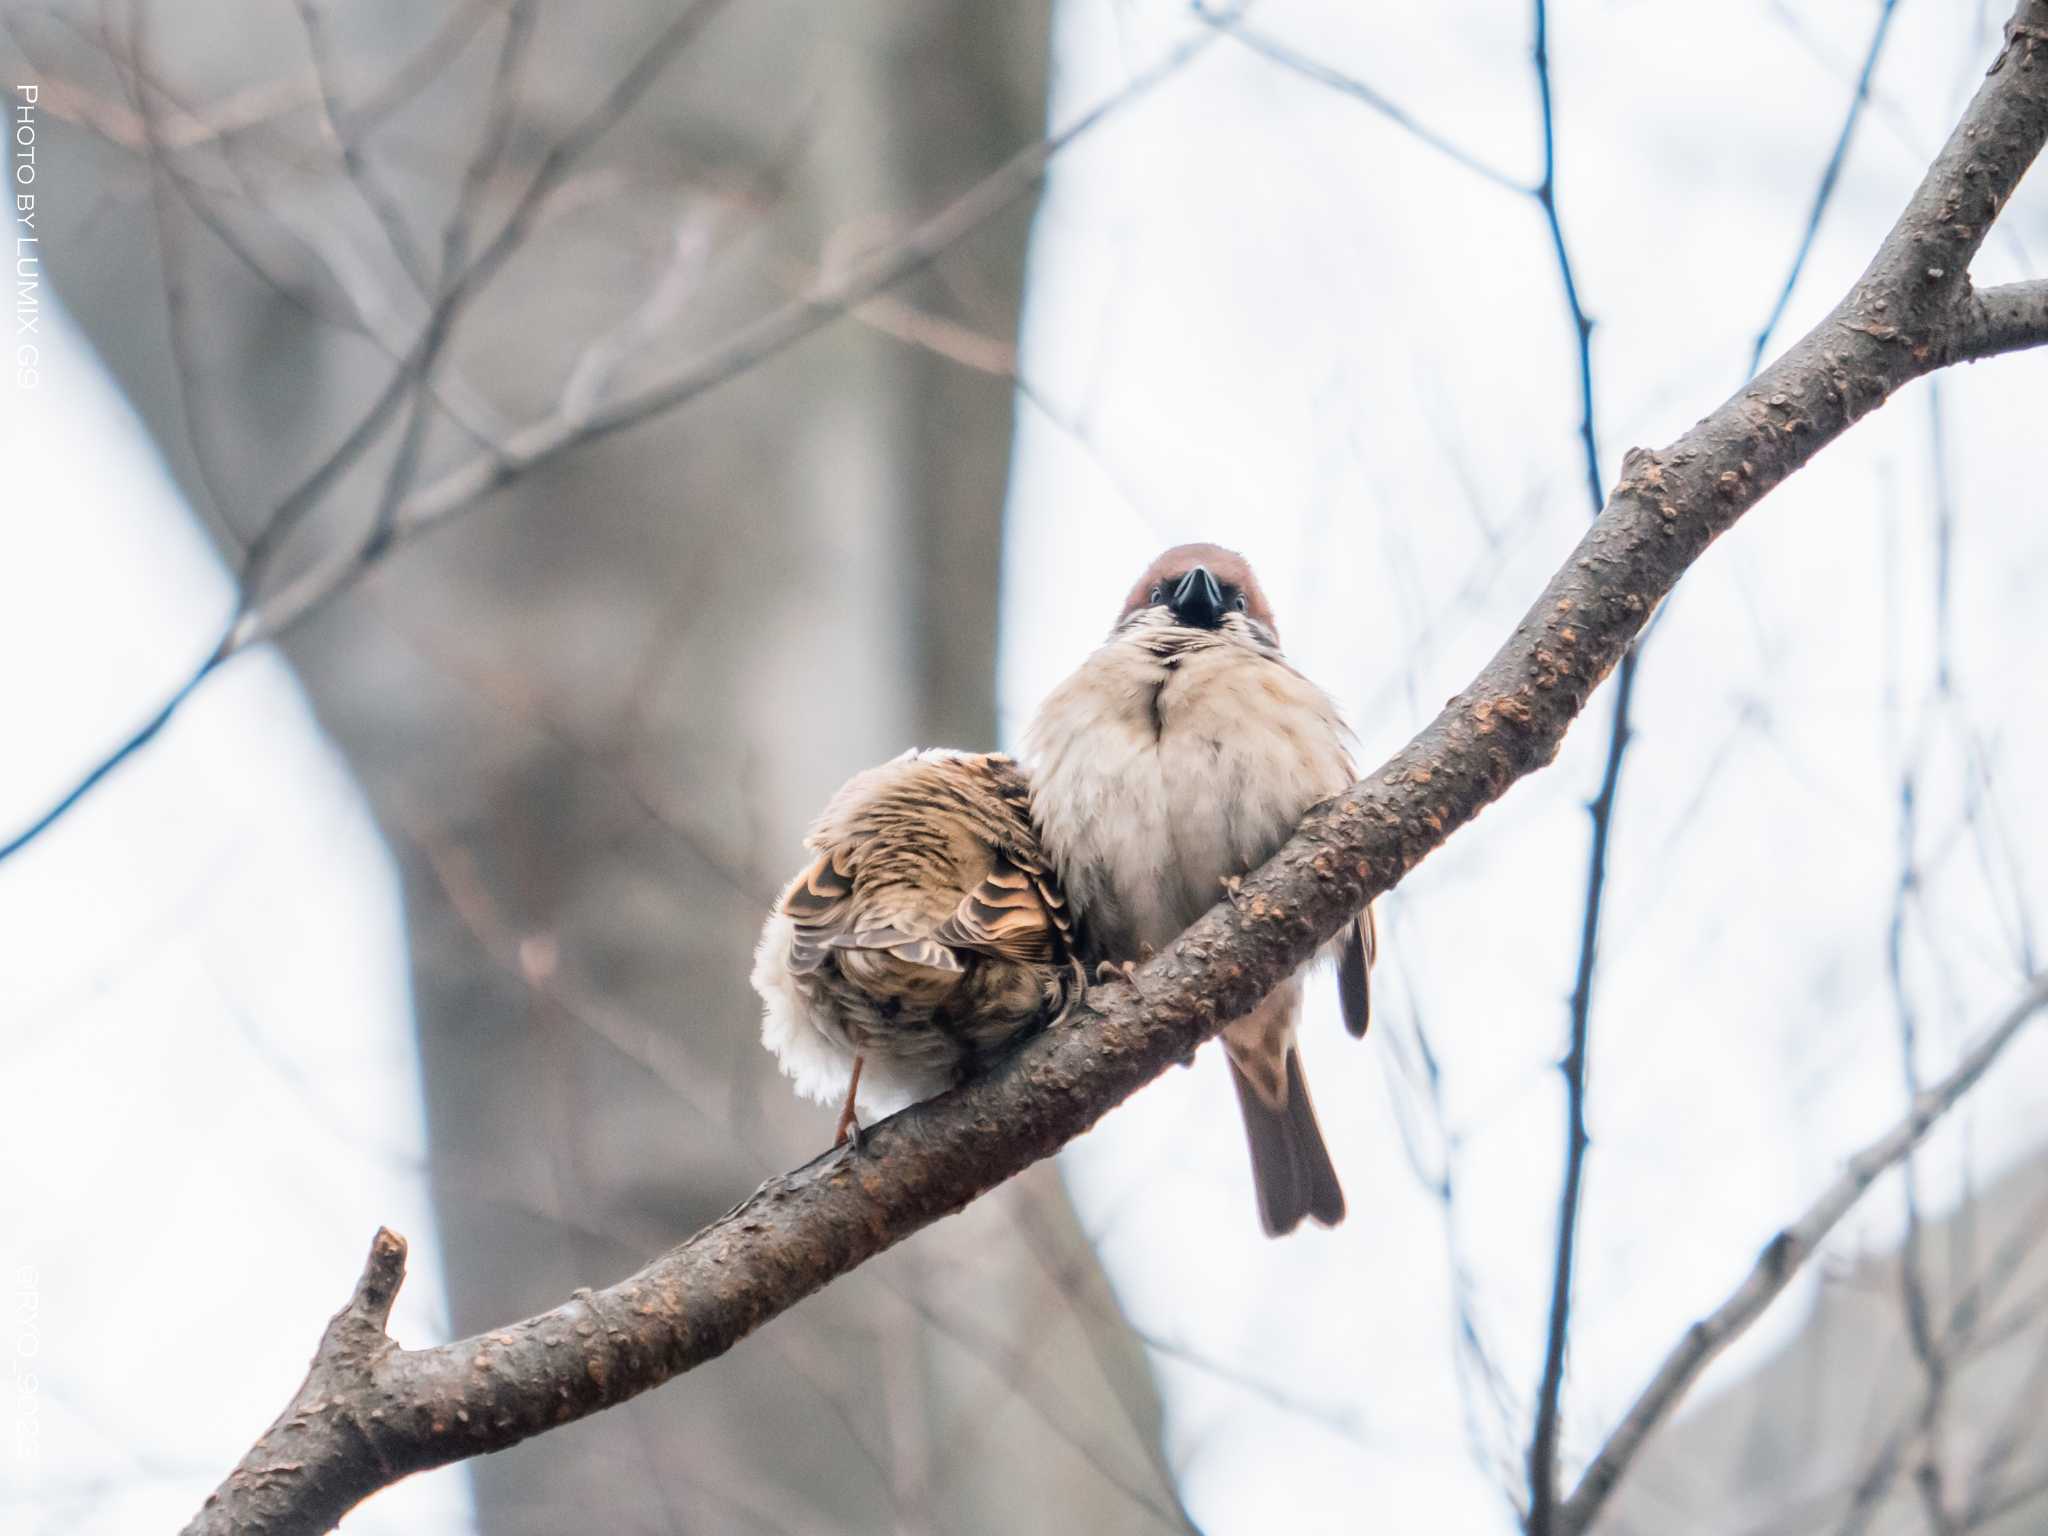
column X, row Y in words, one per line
column 1178, row 757
column 927, row 933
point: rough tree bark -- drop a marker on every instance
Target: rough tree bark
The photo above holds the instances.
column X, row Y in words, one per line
column 371, row 1412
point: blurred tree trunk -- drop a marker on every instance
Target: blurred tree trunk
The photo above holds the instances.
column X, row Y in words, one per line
column 595, row 716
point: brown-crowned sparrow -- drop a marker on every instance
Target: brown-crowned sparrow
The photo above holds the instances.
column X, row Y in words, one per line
column 1179, row 756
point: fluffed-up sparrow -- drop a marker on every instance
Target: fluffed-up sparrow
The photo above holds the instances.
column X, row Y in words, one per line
column 1178, row 757
column 927, row 933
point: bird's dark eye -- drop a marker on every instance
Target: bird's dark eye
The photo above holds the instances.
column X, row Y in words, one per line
column 1242, row 603
column 1158, row 595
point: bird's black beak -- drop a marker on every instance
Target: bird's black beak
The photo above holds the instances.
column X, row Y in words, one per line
column 1197, row 600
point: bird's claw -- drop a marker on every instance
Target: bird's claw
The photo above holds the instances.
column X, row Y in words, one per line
column 1123, row 970
column 851, row 1133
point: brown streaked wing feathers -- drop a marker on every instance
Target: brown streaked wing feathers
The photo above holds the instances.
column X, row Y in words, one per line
column 1013, row 914
column 1020, row 851
column 931, row 955
column 821, row 889
column 818, row 903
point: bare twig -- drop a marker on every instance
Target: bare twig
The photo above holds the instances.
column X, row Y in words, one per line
column 2021, row 1422
column 371, row 1412
column 612, row 756
column 191, row 398
column 458, row 290
column 1927, row 1350
column 1477, row 1369
column 554, row 436
column 499, row 116
column 1781, row 1260
column 361, row 174
column 549, row 438
column 373, row 314
column 1267, row 47
column 195, row 126
column 1830, row 175
column 1544, row 1433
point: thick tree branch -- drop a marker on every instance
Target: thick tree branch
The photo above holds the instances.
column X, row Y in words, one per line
column 2003, row 319
column 371, row 1413
column 1781, row 1259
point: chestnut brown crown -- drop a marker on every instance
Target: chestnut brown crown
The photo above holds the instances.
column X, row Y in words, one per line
column 1202, row 584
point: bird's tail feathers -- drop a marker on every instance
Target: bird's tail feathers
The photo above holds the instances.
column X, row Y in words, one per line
column 1291, row 1166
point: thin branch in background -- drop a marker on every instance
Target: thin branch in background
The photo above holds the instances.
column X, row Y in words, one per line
column 1041, row 1244
column 1268, row 47
column 968, row 348
column 1976, row 1299
column 2011, row 1502
column 2020, row 1424
column 371, row 313
column 1875, row 1486
column 1983, row 811
column 1545, row 1434
column 534, row 959
column 1913, row 1294
column 1782, row 1259
column 678, row 279
column 191, row 395
column 907, row 1415
column 1944, row 544
column 1931, row 1353
column 499, row 116
column 455, row 293
column 613, row 758
column 551, row 437
column 802, row 1357
column 420, row 68
column 232, row 117
column 1830, row 176
column 360, row 174
column 1067, row 1259
column 1022, row 1370
column 136, row 739
column 1476, row 1366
